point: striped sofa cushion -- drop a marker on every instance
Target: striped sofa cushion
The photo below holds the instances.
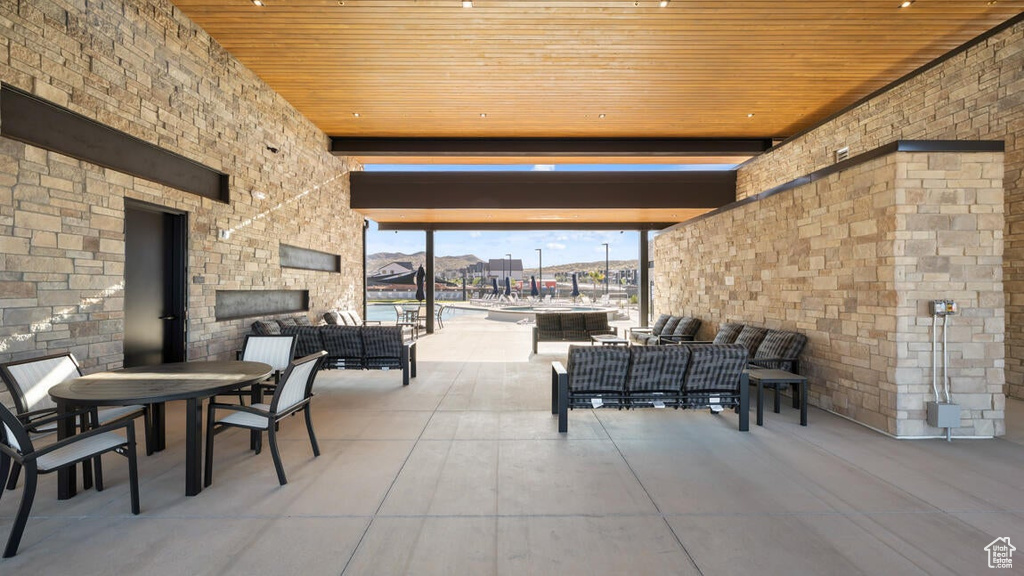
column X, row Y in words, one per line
column 686, row 329
column 659, row 324
column 333, row 318
column 574, row 326
column 266, row 328
column 727, row 333
column 549, row 326
column 715, row 368
column 342, row 341
column 669, row 326
column 656, row 368
column 751, row 337
column 307, row 339
column 598, row 368
column 381, row 341
column 596, row 322
column 781, row 344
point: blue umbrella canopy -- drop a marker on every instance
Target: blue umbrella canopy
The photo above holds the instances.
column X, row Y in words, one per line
column 533, row 287
column 508, row 286
column 575, row 287
column 420, row 275
column 494, row 285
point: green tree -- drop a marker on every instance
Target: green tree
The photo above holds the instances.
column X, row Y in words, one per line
column 596, row 276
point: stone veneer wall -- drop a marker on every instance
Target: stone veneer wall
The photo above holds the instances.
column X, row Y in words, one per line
column 143, row 68
column 977, row 94
column 851, row 261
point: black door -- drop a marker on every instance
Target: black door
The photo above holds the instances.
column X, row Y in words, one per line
column 154, row 287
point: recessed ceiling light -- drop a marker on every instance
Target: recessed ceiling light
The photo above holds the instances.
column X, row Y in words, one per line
column 600, row 115
column 467, row 3
column 751, row 115
column 906, row 3
column 483, row 115
column 257, row 2
column 663, row 3
column 356, row 114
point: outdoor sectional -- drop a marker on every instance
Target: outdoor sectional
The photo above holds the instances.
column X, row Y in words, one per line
column 768, row 348
column 570, row 327
column 667, row 329
column 676, row 376
column 352, row 347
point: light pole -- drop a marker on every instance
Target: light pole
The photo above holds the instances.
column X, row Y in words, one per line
column 540, row 270
column 509, row 268
column 606, row 268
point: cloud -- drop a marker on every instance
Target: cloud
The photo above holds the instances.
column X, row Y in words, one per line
column 475, row 234
column 555, row 246
column 543, row 167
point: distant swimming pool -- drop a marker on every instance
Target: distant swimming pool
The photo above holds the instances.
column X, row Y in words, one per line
column 517, row 313
column 385, row 312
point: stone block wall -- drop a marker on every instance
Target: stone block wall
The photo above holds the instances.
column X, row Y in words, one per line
column 977, row 94
column 143, row 68
column 851, row 261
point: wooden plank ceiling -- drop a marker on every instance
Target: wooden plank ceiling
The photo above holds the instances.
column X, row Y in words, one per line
column 606, row 69
column 430, row 68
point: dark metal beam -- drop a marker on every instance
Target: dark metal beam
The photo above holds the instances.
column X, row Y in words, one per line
column 516, row 226
column 429, row 284
column 597, row 147
column 28, row 119
column 540, row 190
column 643, row 282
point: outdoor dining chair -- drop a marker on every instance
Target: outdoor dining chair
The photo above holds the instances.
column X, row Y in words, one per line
column 16, row 448
column 294, row 393
column 277, row 351
column 29, row 382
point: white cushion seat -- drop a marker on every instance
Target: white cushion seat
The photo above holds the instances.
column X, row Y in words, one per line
column 81, row 449
column 247, row 419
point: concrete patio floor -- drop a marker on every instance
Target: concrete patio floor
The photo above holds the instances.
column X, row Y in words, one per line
column 463, row 472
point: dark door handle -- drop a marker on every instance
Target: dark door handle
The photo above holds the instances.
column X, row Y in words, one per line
column 171, row 317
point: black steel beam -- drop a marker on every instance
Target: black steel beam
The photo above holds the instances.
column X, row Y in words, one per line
column 518, row 226
column 541, row 190
column 28, row 119
column 597, row 147
column 643, row 282
column 429, row 284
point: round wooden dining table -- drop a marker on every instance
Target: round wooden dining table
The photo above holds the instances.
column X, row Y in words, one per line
column 153, row 385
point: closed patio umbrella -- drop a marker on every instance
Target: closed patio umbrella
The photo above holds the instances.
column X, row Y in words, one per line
column 533, row 287
column 494, row 285
column 420, row 275
column 508, row 286
column 575, row 287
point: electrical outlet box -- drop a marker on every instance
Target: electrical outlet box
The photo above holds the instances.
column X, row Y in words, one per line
column 943, row 307
column 943, row 415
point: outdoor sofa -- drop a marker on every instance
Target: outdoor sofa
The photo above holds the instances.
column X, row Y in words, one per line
column 351, row 347
column 768, row 348
column 676, row 376
column 667, row 329
column 570, row 327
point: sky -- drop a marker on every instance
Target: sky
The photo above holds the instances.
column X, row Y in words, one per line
column 559, row 247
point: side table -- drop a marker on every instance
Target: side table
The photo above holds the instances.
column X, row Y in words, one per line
column 608, row 340
column 774, row 378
